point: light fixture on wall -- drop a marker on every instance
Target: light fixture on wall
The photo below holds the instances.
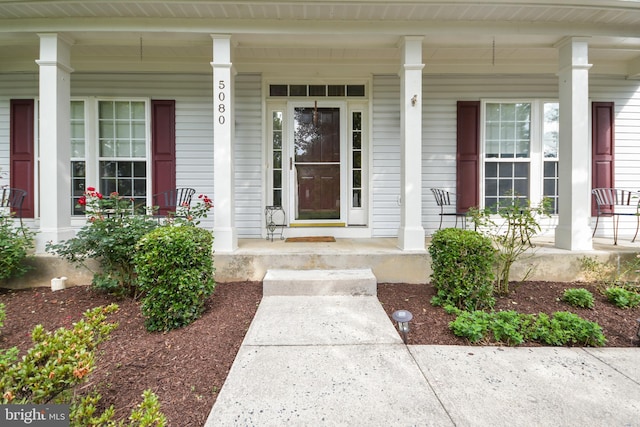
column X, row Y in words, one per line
column 414, row 100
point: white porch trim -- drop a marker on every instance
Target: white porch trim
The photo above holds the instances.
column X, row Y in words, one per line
column 573, row 231
column 55, row 150
column 226, row 239
column 411, row 232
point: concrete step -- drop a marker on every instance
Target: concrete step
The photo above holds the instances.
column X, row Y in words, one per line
column 319, row 282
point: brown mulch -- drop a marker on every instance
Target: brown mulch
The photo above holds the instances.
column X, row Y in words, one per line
column 187, row 367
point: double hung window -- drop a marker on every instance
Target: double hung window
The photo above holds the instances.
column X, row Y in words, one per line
column 109, row 149
column 520, row 152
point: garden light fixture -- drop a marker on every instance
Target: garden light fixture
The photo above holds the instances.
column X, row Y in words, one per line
column 403, row 317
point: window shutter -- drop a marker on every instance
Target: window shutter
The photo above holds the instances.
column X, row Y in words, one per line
column 468, row 155
column 602, row 131
column 21, row 151
column 163, row 146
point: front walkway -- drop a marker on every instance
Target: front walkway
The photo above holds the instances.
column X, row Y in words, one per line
column 338, row 361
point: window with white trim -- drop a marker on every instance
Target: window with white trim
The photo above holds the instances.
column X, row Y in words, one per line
column 117, row 161
column 122, row 148
column 520, row 152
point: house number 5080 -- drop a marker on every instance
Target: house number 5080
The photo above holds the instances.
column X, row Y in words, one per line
column 222, row 106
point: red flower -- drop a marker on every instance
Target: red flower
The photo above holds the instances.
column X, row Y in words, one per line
column 82, row 201
column 91, row 189
column 99, row 196
column 114, row 194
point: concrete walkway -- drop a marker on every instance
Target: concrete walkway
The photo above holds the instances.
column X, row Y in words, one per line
column 339, row 361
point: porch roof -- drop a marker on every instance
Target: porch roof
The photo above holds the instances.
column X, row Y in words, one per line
column 480, row 36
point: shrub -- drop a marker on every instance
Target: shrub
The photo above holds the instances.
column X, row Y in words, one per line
column 175, row 270
column 15, row 245
column 621, row 297
column 60, row 360
column 513, row 328
column 564, row 328
column 110, row 237
column 511, row 235
column 462, row 265
column 56, row 362
column 578, row 297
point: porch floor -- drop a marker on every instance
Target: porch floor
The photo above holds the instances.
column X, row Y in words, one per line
column 392, row 265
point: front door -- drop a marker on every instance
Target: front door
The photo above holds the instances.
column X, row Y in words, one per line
column 316, row 163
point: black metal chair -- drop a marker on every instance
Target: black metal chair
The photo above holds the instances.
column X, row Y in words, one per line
column 169, row 202
column 13, row 198
column 443, row 200
column 615, row 202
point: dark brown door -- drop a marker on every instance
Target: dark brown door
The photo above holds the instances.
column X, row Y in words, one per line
column 316, row 161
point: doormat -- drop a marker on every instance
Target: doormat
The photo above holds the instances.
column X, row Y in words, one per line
column 310, row 239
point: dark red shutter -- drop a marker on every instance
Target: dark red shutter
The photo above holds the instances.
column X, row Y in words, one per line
column 21, row 151
column 602, row 131
column 468, row 155
column 163, row 146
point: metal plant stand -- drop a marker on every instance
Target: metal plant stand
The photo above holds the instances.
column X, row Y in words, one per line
column 275, row 220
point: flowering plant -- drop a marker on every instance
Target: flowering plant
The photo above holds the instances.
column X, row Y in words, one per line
column 96, row 205
column 187, row 214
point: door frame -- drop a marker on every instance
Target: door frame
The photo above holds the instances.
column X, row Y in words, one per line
column 291, row 163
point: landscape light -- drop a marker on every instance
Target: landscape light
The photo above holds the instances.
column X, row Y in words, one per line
column 403, row 317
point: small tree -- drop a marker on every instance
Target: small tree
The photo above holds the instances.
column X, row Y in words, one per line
column 511, row 234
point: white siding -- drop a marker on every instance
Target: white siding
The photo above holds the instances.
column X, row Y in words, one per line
column 440, row 94
column 385, row 173
column 248, row 153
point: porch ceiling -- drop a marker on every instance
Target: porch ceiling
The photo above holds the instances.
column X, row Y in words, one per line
column 497, row 36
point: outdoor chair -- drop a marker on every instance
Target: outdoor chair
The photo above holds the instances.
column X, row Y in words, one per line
column 443, row 200
column 12, row 199
column 171, row 200
column 615, row 203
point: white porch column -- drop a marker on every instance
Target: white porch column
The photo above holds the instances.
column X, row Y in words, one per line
column 411, row 232
column 55, row 129
column 226, row 239
column 573, row 231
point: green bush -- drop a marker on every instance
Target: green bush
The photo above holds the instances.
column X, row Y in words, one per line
column 56, row 362
column 513, row 328
column 621, row 297
column 15, row 245
column 462, row 265
column 110, row 237
column 175, row 270
column 578, row 297
column 565, row 328
column 60, row 360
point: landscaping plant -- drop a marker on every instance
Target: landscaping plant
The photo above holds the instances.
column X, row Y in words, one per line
column 578, row 297
column 511, row 233
column 513, row 328
column 621, row 297
column 109, row 237
column 16, row 243
column 462, row 269
column 61, row 360
column 175, row 271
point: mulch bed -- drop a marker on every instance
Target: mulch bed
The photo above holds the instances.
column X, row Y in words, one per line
column 187, row 367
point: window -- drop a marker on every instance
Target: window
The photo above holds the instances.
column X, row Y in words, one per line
column 520, row 152
column 122, row 146
column 78, row 163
